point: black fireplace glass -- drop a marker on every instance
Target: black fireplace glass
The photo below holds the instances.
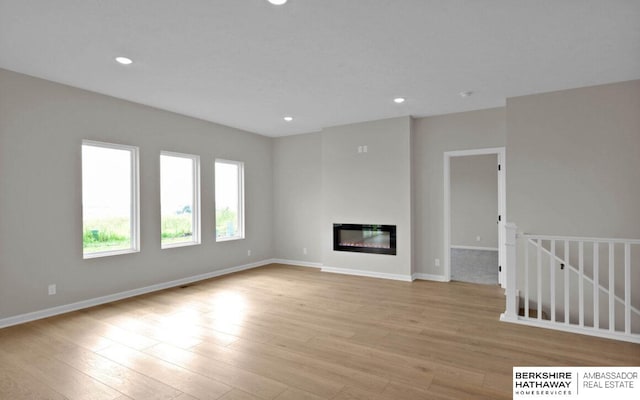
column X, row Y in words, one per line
column 365, row 238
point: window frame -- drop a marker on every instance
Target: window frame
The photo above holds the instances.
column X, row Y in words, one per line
column 134, row 224
column 241, row 208
column 195, row 212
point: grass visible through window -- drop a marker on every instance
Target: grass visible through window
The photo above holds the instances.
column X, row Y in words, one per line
column 226, row 223
column 106, row 234
column 176, row 228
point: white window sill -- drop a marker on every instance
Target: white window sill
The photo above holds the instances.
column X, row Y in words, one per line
column 180, row 244
column 109, row 253
column 229, row 239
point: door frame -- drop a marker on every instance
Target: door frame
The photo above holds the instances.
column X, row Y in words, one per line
column 502, row 206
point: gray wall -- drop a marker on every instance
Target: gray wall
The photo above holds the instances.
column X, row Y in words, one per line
column 297, row 185
column 573, row 169
column 432, row 137
column 42, row 125
column 368, row 188
column 474, row 200
column 573, row 161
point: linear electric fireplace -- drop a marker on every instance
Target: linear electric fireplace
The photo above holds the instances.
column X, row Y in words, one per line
column 377, row 239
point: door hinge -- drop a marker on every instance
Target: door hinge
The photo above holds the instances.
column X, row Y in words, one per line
column 499, row 268
column 499, row 167
column 499, row 218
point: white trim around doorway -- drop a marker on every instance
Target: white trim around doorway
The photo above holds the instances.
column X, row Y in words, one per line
column 502, row 206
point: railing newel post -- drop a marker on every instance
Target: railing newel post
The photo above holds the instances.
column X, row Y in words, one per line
column 511, row 293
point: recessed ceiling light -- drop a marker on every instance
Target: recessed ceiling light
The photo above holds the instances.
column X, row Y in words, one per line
column 466, row 94
column 277, row 2
column 288, row 119
column 399, row 100
column 124, row 60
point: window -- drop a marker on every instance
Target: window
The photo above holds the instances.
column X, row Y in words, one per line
column 179, row 199
column 229, row 200
column 110, row 207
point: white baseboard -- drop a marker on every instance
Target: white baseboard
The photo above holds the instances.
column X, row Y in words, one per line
column 475, row 248
column 65, row 308
column 357, row 272
column 429, row 277
column 296, row 263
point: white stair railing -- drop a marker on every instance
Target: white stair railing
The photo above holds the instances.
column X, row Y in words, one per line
column 594, row 298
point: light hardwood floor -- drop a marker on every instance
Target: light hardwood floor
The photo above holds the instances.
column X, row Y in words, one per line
column 289, row 333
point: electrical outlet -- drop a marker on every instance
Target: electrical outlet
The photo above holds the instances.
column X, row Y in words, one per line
column 437, row 262
column 364, row 149
column 359, row 149
column 248, row 252
column 304, row 250
column 477, row 238
column 52, row 289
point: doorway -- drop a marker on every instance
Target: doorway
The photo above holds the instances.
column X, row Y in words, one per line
column 474, row 214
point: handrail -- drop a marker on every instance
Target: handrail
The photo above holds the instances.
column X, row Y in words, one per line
column 580, row 238
column 514, row 290
column 575, row 270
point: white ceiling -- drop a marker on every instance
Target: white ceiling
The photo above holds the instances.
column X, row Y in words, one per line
column 247, row 63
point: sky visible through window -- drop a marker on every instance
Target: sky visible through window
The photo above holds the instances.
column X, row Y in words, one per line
column 227, row 185
column 177, row 184
column 106, row 182
column 227, row 200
